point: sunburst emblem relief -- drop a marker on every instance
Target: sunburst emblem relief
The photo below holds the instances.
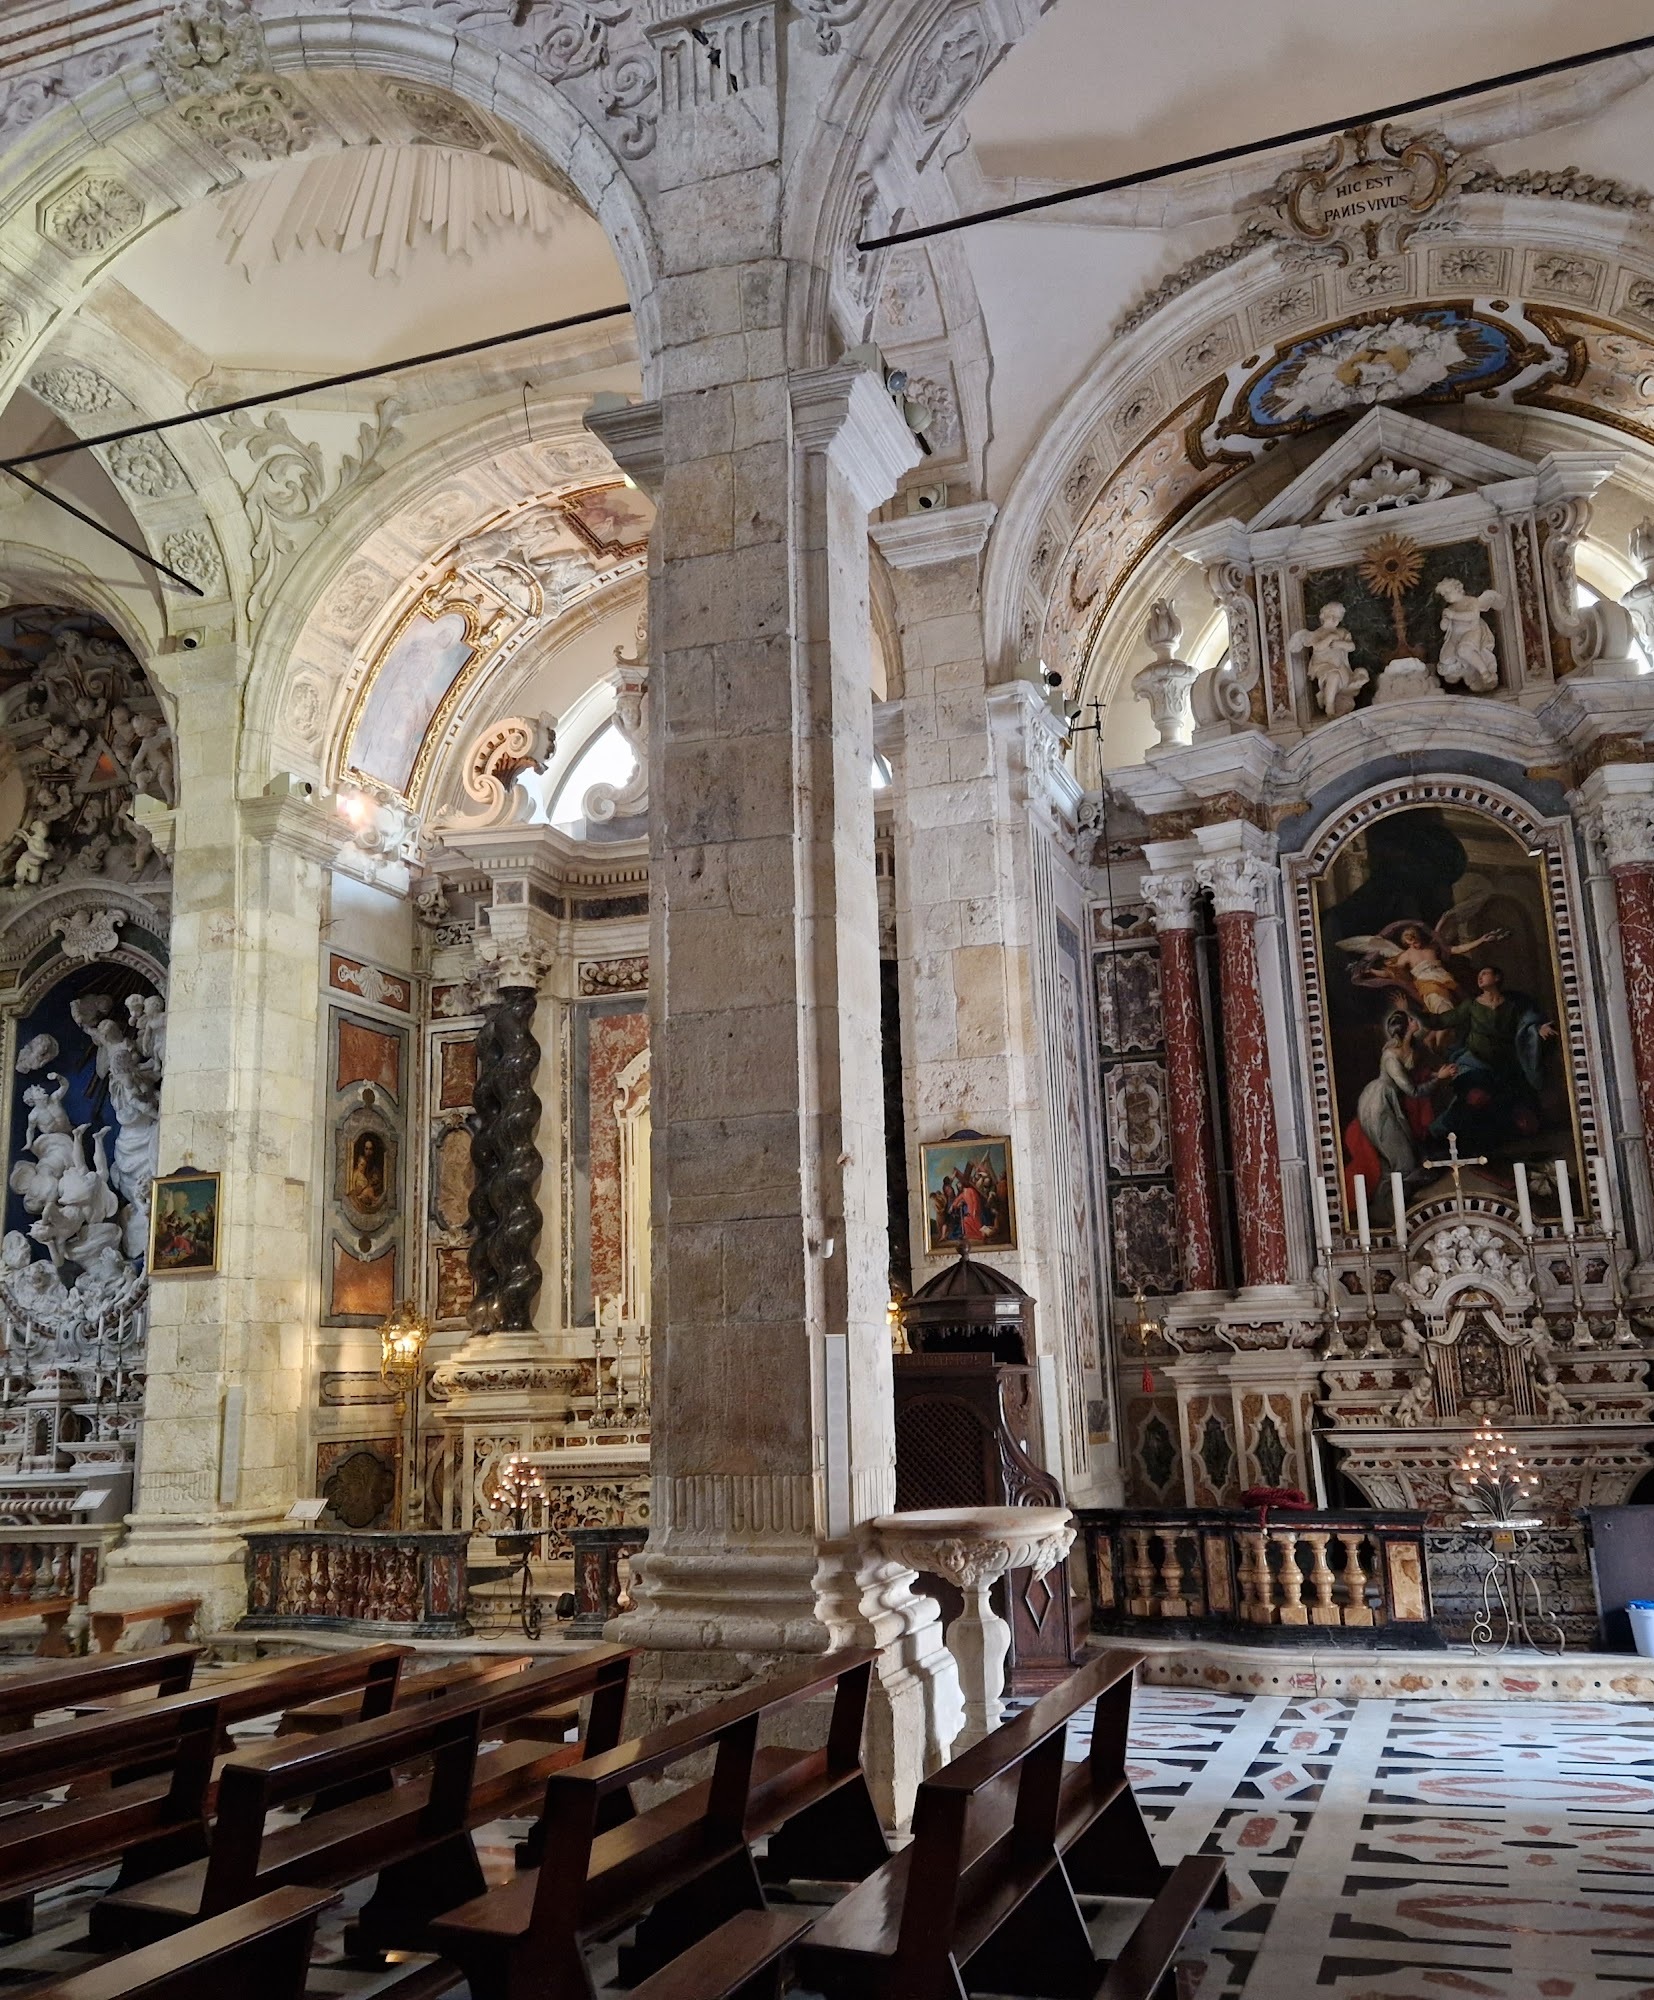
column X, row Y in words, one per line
column 1390, row 568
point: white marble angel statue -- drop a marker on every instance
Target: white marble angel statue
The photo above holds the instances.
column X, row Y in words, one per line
column 1329, row 646
column 1467, row 652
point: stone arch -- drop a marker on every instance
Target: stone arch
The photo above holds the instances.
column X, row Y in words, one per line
column 1151, row 383
column 141, row 134
column 332, row 81
column 333, row 610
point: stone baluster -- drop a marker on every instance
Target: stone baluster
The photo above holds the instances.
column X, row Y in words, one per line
column 1170, row 893
column 1256, row 1587
column 1139, row 1572
column 1170, row 1602
column 25, row 1582
column 1324, row 1611
column 1292, row 1610
column 1355, row 1608
column 1233, row 865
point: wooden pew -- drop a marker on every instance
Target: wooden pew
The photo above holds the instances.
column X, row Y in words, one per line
column 687, row 1860
column 260, row 1952
column 319, row 1718
column 73, row 1683
column 175, row 1618
column 1003, row 1842
column 53, row 1613
column 141, row 1778
column 155, row 1821
column 414, row 1835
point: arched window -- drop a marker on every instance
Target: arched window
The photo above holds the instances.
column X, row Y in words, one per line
column 1585, row 595
column 881, row 772
column 606, row 760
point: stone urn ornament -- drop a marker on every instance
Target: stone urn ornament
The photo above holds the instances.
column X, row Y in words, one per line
column 973, row 1547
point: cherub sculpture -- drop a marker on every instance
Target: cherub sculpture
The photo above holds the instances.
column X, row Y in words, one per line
column 1467, row 652
column 1329, row 646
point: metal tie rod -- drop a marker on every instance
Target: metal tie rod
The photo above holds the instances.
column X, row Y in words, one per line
column 1250, row 146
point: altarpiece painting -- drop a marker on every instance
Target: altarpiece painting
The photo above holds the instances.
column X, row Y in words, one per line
column 1443, row 1025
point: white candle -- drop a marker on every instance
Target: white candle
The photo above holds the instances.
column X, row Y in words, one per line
column 1524, row 1207
column 1363, row 1227
column 1605, row 1206
column 1565, row 1197
column 1398, row 1203
column 1323, row 1221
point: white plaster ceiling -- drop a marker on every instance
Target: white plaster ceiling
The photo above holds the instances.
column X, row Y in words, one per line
column 250, row 284
column 1100, row 90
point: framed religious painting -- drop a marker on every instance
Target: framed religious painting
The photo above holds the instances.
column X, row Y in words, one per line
column 969, row 1200
column 183, row 1224
column 1446, row 1049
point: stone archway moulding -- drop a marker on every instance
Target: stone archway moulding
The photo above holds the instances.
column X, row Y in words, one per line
column 1121, row 437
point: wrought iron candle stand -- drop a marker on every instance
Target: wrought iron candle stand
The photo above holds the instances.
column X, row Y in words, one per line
column 1512, row 1596
column 518, row 1486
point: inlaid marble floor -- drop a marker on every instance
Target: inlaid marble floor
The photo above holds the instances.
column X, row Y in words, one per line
column 1396, row 1850
column 1379, row 1850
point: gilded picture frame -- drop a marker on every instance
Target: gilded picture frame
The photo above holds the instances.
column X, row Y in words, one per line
column 183, row 1224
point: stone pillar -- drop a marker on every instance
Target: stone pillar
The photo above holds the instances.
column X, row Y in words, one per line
column 1236, row 864
column 980, row 812
column 774, row 1435
column 1170, row 893
column 220, row 1446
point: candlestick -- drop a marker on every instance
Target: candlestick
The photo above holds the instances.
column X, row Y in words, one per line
column 1565, row 1198
column 1605, row 1207
column 1323, row 1220
column 1363, row 1229
column 1524, row 1207
column 1398, row 1202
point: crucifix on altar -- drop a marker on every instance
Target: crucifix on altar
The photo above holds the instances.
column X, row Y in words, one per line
column 1455, row 1163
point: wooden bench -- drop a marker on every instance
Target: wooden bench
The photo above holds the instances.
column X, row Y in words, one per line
column 174, row 1618
column 318, row 1718
column 74, row 1683
column 155, row 1821
column 731, row 1960
column 53, row 1613
column 686, row 1861
column 1004, row 1840
column 414, row 1834
column 261, row 1952
column 140, row 1778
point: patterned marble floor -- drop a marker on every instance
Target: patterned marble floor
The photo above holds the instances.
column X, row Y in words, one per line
column 1397, row 1850
column 1379, row 1850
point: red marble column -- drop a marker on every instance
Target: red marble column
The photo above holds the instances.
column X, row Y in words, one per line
column 1634, row 894
column 1237, row 883
column 1194, row 1159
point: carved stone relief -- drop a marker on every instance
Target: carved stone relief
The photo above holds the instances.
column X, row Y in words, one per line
column 91, row 215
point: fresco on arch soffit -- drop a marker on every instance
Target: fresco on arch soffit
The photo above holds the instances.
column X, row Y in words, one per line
column 1417, row 357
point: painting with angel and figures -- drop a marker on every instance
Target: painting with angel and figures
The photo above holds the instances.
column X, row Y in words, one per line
column 1443, row 1029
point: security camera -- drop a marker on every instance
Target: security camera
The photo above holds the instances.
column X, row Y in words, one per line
column 926, row 499
column 1051, row 678
column 190, row 641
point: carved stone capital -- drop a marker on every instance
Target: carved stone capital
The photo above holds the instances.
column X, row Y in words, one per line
column 1626, row 827
column 1171, row 897
column 512, row 954
column 1242, row 885
column 945, row 535
column 847, row 414
column 635, row 438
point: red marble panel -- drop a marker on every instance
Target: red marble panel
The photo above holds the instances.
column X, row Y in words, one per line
column 1194, row 1168
column 1258, row 1204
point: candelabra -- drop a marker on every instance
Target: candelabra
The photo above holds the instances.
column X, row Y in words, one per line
column 1500, row 1484
column 517, row 1488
